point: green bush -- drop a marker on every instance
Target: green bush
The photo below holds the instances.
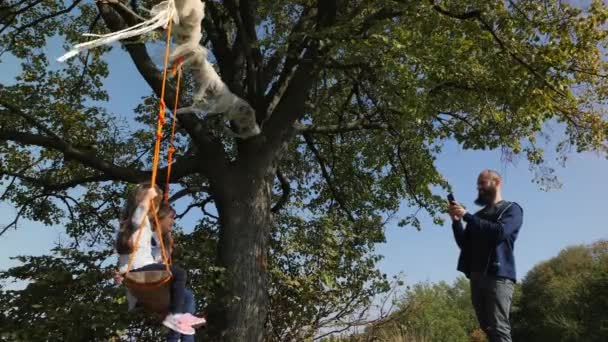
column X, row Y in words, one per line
column 566, row 297
column 428, row 312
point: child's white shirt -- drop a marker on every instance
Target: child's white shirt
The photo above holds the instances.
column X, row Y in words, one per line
column 143, row 248
column 157, row 253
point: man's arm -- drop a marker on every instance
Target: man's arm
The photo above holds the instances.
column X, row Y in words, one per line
column 509, row 223
column 459, row 233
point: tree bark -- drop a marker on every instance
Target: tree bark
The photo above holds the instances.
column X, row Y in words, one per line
column 244, row 208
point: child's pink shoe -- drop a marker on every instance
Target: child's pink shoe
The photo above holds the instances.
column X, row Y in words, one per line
column 179, row 324
column 193, row 321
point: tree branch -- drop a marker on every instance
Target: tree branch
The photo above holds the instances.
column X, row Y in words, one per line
column 8, row 188
column 10, row 185
column 291, row 105
column 41, row 19
column 204, row 210
column 12, row 15
column 86, row 211
column 78, row 85
column 294, row 52
column 357, row 125
column 201, row 205
column 334, row 190
column 243, row 13
column 384, row 315
column 210, row 148
column 187, row 210
column 285, row 194
column 295, row 40
column 372, row 19
column 29, row 118
column 219, row 37
column 20, row 212
column 457, row 116
column 476, row 14
column 41, row 182
column 188, row 191
column 181, row 168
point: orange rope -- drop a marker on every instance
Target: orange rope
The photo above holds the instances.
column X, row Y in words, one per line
column 160, row 235
column 177, row 68
column 159, row 135
column 161, row 114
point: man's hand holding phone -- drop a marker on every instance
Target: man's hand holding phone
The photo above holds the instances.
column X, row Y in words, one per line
column 455, row 210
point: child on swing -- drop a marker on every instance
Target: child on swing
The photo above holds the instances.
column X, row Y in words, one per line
column 166, row 219
column 136, row 219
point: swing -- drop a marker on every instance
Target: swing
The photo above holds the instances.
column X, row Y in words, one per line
column 151, row 288
column 213, row 96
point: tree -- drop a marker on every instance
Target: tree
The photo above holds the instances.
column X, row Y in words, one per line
column 355, row 99
column 564, row 298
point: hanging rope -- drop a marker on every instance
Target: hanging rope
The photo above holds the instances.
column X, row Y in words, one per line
column 159, row 136
column 161, row 114
column 163, row 15
column 177, row 69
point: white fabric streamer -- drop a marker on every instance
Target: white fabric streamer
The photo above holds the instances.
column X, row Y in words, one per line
column 212, row 95
column 162, row 13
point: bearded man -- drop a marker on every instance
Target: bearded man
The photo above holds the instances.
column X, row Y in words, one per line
column 486, row 253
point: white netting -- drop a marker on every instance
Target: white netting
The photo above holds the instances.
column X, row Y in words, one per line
column 212, row 95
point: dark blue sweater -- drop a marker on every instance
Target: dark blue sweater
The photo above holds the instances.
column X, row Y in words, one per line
column 497, row 232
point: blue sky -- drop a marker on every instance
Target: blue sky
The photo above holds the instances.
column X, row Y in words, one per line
column 552, row 220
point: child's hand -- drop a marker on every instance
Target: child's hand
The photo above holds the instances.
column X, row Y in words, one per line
column 150, row 194
column 118, row 278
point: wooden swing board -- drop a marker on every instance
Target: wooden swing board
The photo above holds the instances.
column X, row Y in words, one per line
column 151, row 288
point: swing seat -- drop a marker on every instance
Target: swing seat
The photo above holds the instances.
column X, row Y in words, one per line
column 151, row 288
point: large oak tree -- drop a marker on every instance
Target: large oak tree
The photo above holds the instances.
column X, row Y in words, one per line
column 355, row 100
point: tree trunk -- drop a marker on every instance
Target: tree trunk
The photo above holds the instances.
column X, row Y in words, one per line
column 243, row 204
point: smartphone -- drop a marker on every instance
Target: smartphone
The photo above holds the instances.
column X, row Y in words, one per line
column 451, row 198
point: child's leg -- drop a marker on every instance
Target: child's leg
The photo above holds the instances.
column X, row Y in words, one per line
column 189, row 307
column 178, row 288
column 173, row 336
column 189, row 302
column 175, row 320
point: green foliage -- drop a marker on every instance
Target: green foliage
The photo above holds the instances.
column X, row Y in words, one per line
column 439, row 312
column 321, row 273
column 427, row 312
column 564, row 299
column 66, row 296
column 395, row 80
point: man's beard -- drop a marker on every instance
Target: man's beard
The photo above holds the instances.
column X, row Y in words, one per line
column 486, row 197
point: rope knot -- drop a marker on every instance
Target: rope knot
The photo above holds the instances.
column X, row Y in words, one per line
column 161, row 113
column 177, row 65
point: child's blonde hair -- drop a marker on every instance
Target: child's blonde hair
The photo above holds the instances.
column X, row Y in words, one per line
column 164, row 211
column 126, row 226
